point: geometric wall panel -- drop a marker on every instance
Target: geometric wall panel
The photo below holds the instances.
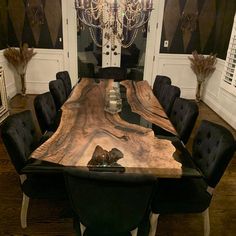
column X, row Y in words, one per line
column 191, row 7
column 170, row 20
column 212, row 26
column 34, row 12
column 18, row 24
column 207, row 14
column 53, row 16
column 16, row 10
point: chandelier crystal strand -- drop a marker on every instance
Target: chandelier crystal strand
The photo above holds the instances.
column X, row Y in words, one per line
column 121, row 19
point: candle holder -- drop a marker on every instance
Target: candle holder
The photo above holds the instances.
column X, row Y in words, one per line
column 113, row 101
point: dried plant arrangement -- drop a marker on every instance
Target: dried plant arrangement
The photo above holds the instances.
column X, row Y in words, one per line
column 19, row 58
column 203, row 67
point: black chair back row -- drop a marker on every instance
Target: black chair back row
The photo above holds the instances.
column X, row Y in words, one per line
column 213, row 148
column 116, row 73
column 47, row 115
column 65, row 78
column 160, row 80
column 58, row 92
column 182, row 112
column 47, row 105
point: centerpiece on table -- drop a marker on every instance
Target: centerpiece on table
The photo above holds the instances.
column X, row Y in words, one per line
column 19, row 58
column 113, row 101
column 203, row 67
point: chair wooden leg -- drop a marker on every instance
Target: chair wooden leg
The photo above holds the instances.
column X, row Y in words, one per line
column 153, row 224
column 206, row 222
column 134, row 232
column 82, row 229
column 24, row 209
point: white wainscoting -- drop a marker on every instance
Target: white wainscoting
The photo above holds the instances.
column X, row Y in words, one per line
column 41, row 69
column 9, row 77
column 177, row 67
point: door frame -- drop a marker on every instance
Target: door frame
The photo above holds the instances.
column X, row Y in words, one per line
column 70, row 40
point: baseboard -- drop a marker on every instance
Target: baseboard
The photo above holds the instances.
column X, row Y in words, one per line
column 220, row 110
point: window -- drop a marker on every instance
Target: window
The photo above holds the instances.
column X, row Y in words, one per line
column 229, row 75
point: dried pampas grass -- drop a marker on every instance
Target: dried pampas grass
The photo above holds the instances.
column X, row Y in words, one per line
column 203, row 66
column 19, row 58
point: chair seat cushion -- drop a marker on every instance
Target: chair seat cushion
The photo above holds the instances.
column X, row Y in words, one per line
column 46, row 185
column 185, row 195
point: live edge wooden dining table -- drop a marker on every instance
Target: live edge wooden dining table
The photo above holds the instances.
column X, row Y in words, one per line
column 85, row 125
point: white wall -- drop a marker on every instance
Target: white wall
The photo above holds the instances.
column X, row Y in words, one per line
column 177, row 67
column 41, row 69
column 9, row 76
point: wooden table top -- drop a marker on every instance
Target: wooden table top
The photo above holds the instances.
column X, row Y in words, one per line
column 84, row 125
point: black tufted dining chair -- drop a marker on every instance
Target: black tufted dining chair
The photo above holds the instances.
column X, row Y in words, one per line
column 65, row 77
column 116, row 73
column 20, row 139
column 106, row 204
column 47, row 115
column 160, row 80
column 183, row 116
column 213, row 148
column 58, row 92
column 167, row 98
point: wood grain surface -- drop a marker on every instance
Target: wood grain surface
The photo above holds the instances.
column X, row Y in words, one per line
column 85, row 124
column 143, row 101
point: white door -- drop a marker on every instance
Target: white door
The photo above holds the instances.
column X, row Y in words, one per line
column 114, row 56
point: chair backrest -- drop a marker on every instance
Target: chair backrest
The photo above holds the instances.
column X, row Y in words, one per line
column 213, row 148
column 160, row 80
column 183, row 116
column 116, row 73
column 65, row 77
column 19, row 136
column 168, row 96
column 45, row 111
column 109, row 203
column 58, row 92
column 86, row 69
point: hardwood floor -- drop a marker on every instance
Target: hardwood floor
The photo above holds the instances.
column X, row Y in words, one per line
column 48, row 218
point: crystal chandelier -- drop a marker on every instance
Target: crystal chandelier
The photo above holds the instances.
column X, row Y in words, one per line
column 113, row 19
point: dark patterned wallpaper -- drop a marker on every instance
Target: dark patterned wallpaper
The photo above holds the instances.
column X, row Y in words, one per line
column 202, row 25
column 37, row 22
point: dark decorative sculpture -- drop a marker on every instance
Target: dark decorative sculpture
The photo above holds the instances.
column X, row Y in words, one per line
column 103, row 158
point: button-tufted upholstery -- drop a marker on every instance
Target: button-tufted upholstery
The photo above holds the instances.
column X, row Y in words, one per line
column 213, row 148
column 58, row 92
column 183, row 116
column 167, row 99
column 122, row 201
column 160, row 80
column 46, row 113
column 19, row 136
column 116, row 73
column 65, row 77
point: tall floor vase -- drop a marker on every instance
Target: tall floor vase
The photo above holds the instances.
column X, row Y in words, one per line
column 23, row 86
column 198, row 91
